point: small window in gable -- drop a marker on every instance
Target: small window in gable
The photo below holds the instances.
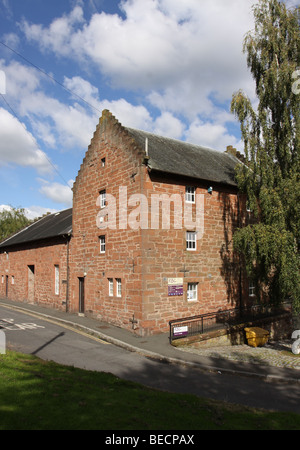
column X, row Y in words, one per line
column 102, row 244
column 103, row 198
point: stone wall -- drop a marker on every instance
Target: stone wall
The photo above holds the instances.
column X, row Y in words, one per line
column 28, row 273
column 113, row 164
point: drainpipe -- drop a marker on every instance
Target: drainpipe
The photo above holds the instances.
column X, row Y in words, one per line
column 68, row 272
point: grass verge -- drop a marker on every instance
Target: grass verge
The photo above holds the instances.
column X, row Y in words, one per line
column 40, row 395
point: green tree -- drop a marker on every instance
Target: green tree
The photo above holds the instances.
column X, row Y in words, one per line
column 11, row 221
column 270, row 131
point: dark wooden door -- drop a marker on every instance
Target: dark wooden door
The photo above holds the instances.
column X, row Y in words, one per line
column 81, row 295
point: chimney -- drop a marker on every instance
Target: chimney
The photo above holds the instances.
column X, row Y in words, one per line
column 231, row 150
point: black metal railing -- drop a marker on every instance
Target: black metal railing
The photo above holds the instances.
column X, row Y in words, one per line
column 203, row 323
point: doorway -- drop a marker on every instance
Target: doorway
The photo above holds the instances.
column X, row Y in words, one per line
column 31, row 284
column 81, row 295
column 6, row 285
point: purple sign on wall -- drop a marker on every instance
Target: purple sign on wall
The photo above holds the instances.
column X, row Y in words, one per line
column 175, row 290
column 175, row 286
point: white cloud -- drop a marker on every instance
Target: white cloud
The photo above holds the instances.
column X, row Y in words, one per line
column 56, row 123
column 18, row 146
column 57, row 192
column 43, row 131
column 186, row 57
column 84, row 89
column 21, row 81
column 128, row 114
column 70, row 124
column 11, row 39
column 139, row 117
column 32, row 212
column 168, row 125
column 211, row 135
column 58, row 35
column 5, row 208
column 159, row 43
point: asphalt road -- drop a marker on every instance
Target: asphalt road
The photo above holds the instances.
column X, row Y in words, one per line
column 51, row 341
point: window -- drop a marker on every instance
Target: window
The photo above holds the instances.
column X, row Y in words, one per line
column 251, row 288
column 56, row 270
column 12, row 279
column 192, row 292
column 119, row 287
column 110, row 287
column 190, row 194
column 103, row 198
column 103, row 162
column 2, row 279
column 102, row 244
column 191, row 242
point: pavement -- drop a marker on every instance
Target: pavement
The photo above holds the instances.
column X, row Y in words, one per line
column 270, row 363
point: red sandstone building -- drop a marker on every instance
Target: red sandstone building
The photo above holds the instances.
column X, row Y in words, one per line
column 149, row 236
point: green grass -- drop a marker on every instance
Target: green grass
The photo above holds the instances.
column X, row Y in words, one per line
column 39, row 395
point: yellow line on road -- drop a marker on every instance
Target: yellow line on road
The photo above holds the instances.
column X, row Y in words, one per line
column 90, row 336
column 68, row 327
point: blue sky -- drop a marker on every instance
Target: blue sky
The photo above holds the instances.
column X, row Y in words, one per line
column 165, row 66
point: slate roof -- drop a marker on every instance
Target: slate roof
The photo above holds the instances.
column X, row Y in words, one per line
column 52, row 225
column 181, row 158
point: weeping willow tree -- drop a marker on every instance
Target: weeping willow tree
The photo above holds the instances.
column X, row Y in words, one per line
column 270, row 132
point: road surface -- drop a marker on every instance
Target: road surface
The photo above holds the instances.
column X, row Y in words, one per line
column 52, row 341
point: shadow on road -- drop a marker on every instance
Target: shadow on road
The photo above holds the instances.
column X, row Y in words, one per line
column 47, row 343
